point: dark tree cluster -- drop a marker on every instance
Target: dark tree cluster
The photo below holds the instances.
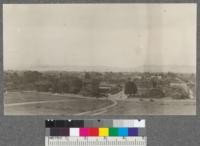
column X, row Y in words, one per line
column 130, row 88
column 46, row 82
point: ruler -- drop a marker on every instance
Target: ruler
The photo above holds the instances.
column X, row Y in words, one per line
column 95, row 141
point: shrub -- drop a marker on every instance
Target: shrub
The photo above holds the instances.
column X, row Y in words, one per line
column 155, row 93
column 177, row 93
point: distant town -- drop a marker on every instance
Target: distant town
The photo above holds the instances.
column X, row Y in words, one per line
column 103, row 84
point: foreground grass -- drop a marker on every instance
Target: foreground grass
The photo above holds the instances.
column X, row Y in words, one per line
column 61, row 105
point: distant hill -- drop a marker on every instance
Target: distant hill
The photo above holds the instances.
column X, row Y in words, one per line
column 82, row 68
column 166, row 68
column 145, row 68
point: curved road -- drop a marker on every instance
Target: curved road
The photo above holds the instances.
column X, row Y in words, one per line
column 117, row 104
column 98, row 111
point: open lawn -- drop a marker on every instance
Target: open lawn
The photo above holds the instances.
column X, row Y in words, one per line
column 34, row 103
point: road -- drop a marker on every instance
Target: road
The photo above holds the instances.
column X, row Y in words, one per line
column 34, row 103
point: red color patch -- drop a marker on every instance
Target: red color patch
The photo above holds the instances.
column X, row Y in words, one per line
column 93, row 131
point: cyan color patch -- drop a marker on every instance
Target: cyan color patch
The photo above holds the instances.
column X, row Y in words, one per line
column 123, row 131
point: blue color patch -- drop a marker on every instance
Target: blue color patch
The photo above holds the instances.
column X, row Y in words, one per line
column 132, row 131
column 123, row 131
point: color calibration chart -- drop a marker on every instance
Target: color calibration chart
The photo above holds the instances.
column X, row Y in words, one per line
column 103, row 132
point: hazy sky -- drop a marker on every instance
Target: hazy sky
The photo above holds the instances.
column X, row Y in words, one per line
column 118, row 35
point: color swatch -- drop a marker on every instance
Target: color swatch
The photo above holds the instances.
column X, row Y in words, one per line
column 101, row 128
column 104, row 132
column 123, row 132
column 113, row 131
column 96, row 123
column 94, row 132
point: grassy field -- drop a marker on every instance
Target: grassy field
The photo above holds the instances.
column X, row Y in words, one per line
column 154, row 107
column 34, row 103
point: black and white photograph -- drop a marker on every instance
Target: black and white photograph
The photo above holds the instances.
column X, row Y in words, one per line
column 99, row 59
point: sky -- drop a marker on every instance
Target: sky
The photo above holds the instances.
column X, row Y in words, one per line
column 116, row 35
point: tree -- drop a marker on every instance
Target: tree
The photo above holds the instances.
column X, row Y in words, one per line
column 64, row 86
column 87, row 75
column 55, row 85
column 95, row 87
column 130, row 88
column 31, row 76
column 154, row 83
column 75, row 85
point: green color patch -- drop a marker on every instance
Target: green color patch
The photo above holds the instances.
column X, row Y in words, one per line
column 113, row 131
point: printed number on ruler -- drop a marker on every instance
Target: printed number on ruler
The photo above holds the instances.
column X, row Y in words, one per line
column 96, row 141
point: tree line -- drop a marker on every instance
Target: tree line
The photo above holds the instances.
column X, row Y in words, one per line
column 59, row 82
column 88, row 83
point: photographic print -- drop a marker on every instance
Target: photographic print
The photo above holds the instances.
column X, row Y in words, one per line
column 99, row 59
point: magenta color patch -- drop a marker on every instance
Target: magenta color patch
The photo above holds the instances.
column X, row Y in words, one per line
column 84, row 131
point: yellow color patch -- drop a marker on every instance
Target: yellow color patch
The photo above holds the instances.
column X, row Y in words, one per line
column 103, row 131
